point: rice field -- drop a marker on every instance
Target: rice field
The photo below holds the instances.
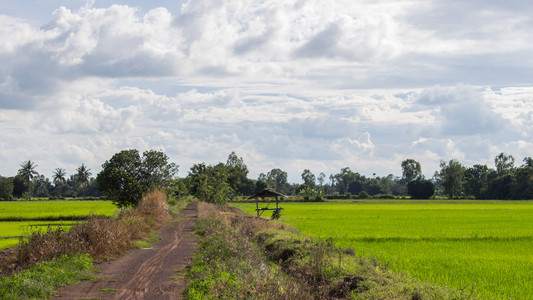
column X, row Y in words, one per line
column 481, row 245
column 17, row 218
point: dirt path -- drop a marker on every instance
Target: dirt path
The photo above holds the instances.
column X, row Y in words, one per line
column 155, row 273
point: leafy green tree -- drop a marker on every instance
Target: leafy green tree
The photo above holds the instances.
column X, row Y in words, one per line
column 309, row 178
column 451, row 178
column 6, row 188
column 41, row 186
column 411, row 170
column 210, row 183
column 238, row 175
column 27, row 172
column 277, row 179
column 421, row 189
column 346, row 177
column 502, row 187
column 476, row 181
column 528, row 161
column 126, row 176
column 119, row 186
column 260, row 185
column 504, row 163
column 524, row 182
column 321, row 179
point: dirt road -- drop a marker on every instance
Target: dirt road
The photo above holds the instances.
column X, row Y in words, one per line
column 155, row 273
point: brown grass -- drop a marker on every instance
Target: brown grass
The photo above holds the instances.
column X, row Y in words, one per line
column 100, row 237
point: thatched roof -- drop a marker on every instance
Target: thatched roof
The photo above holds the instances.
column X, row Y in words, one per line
column 267, row 193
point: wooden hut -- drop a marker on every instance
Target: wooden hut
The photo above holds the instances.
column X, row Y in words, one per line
column 267, row 194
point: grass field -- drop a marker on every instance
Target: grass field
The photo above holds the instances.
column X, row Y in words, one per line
column 19, row 217
column 484, row 245
column 53, row 210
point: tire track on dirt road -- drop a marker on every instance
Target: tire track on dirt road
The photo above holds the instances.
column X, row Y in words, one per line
column 145, row 273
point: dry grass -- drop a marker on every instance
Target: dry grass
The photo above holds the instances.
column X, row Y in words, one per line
column 100, row 237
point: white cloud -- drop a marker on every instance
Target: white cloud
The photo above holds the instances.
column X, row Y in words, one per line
column 363, row 84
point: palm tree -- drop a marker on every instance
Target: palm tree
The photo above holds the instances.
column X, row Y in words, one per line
column 83, row 176
column 26, row 172
column 59, row 178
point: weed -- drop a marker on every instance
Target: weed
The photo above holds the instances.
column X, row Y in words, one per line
column 107, row 291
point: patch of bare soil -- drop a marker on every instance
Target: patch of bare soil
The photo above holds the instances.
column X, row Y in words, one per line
column 154, row 273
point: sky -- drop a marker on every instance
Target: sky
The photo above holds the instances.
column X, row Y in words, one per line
column 289, row 84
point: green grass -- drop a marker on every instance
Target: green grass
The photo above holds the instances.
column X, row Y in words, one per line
column 53, row 210
column 41, row 280
column 21, row 217
column 484, row 245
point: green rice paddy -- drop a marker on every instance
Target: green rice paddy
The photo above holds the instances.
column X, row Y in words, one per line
column 481, row 245
column 17, row 218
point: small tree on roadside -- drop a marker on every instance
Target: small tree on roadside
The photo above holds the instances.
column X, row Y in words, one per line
column 27, row 172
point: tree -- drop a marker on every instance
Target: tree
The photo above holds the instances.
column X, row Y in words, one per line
column 277, row 179
column 209, row 183
column 156, row 171
column 345, row 178
column 421, row 189
column 308, row 178
column 59, row 178
column 411, row 170
column 238, row 175
column 6, row 188
column 476, row 181
column 451, row 178
column 126, row 176
column 83, row 177
column 321, row 179
column 26, row 172
column 504, row 163
column 528, row 161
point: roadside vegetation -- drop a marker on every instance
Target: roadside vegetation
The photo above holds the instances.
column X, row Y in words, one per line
column 471, row 244
column 99, row 238
column 243, row 257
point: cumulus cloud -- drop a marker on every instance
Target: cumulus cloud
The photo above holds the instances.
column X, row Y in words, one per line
column 287, row 83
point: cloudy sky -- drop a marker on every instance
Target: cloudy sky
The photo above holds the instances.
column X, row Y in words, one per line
column 288, row 84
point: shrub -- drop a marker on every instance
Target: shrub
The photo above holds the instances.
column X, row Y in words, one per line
column 421, row 189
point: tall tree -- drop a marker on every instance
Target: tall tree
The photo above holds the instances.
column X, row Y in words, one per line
column 411, row 170
column 238, row 175
column 309, row 178
column 504, row 163
column 126, row 176
column 277, row 179
column 59, row 176
column 321, row 178
column 451, row 178
column 83, row 177
column 27, row 172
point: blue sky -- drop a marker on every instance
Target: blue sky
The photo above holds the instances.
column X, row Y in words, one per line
column 285, row 84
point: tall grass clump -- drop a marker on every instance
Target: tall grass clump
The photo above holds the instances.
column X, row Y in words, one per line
column 100, row 237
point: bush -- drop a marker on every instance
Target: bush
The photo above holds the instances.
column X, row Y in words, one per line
column 421, row 189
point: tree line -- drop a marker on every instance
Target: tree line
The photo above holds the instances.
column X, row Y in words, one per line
column 127, row 175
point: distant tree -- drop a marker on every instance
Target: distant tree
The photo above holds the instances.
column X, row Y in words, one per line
column 238, row 175
column 83, row 175
column 321, row 179
column 18, row 186
column 59, row 178
column 421, row 189
column 260, row 185
column 6, row 189
column 277, row 179
column 309, row 178
column 210, row 183
column 411, row 170
column 476, row 181
column 126, row 176
column 451, row 178
column 502, row 187
column 344, row 178
column 504, row 163
column 528, row 161
column 524, row 182
column 41, row 186
column 27, row 172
